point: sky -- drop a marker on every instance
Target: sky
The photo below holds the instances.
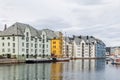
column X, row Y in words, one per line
column 98, row 18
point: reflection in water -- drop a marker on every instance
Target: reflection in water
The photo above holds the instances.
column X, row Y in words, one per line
column 56, row 71
column 84, row 69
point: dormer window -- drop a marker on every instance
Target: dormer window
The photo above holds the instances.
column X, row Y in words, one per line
column 8, row 38
column 22, row 37
column 3, row 38
column 27, row 34
column 43, row 36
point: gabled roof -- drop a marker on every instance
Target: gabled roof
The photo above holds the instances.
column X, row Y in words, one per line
column 86, row 39
column 19, row 29
column 50, row 33
column 68, row 39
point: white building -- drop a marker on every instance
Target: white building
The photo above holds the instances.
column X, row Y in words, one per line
column 46, row 35
column 24, row 40
column 67, row 47
column 84, row 47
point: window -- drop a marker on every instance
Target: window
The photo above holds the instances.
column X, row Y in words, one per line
column 13, row 44
column 8, row 44
column 35, row 51
column 3, row 50
column 43, row 36
column 46, row 50
column 43, row 51
column 78, row 54
column 13, row 38
column 3, row 38
column 47, row 40
column 43, row 40
column 54, row 42
column 35, row 45
column 31, row 50
column 23, row 38
column 8, row 38
column 13, row 50
column 35, row 39
column 27, row 33
column 27, row 45
column 27, row 39
column 23, row 44
column 78, row 48
column 47, row 46
column 27, row 51
column 31, row 44
column 54, row 51
column 8, row 49
column 3, row 44
column 39, row 39
column 23, row 49
column 31, row 39
column 43, row 46
column 39, row 45
column 54, row 46
column 39, row 50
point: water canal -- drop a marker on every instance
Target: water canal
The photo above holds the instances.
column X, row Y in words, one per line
column 73, row 70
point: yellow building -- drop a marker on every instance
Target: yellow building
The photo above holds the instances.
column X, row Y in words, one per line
column 56, row 45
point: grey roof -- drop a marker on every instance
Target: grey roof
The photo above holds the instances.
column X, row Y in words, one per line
column 50, row 33
column 68, row 39
column 19, row 29
column 87, row 39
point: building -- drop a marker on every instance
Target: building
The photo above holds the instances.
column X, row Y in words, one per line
column 46, row 37
column 113, row 50
column 84, row 47
column 67, row 47
column 22, row 40
column 56, row 45
column 108, row 50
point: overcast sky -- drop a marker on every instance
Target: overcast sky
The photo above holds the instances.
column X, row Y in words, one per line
column 99, row 18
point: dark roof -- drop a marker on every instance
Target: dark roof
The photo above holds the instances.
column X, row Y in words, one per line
column 87, row 39
column 19, row 29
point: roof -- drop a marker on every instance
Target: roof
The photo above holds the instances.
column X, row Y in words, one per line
column 68, row 39
column 50, row 33
column 19, row 29
column 87, row 39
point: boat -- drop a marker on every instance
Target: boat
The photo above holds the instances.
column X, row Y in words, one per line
column 60, row 59
column 116, row 61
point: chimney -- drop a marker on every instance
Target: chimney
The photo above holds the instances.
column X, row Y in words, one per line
column 87, row 37
column 73, row 36
column 5, row 27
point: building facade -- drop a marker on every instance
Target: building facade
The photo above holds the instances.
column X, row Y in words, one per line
column 22, row 40
column 113, row 50
column 56, row 45
column 67, row 47
column 84, row 47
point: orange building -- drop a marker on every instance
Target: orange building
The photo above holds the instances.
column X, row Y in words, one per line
column 56, row 45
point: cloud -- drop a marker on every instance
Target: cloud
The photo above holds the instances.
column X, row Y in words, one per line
column 99, row 18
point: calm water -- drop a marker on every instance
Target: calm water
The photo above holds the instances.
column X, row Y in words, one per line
column 73, row 70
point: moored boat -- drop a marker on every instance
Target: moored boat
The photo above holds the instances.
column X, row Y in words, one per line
column 116, row 61
column 60, row 59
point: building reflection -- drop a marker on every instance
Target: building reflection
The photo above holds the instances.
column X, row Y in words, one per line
column 86, row 65
column 56, row 71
